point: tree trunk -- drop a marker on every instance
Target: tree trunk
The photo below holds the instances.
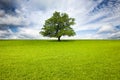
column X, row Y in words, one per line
column 59, row 38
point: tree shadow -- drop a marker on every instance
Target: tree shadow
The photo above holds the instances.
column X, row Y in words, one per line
column 61, row 41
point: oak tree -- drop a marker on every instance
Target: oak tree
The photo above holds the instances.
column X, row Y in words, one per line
column 58, row 25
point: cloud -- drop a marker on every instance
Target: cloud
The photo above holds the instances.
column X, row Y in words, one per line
column 28, row 33
column 2, row 13
column 109, row 31
column 8, row 6
column 5, row 32
column 115, row 35
column 11, row 20
column 107, row 28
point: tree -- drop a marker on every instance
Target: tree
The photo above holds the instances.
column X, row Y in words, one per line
column 58, row 25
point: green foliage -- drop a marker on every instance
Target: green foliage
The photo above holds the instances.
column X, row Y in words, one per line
column 58, row 25
column 65, row 60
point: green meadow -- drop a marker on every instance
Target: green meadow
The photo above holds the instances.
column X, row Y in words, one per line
column 65, row 60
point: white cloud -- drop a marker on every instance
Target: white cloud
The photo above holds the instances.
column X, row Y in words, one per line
column 115, row 35
column 2, row 32
column 2, row 12
column 107, row 28
column 30, row 32
column 11, row 20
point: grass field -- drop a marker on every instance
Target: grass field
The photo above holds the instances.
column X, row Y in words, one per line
column 65, row 60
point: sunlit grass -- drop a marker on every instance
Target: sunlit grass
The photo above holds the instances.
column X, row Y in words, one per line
column 65, row 60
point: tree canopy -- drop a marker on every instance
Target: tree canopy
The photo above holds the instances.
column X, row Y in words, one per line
column 58, row 25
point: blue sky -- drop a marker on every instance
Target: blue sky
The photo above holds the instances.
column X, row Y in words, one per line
column 95, row 19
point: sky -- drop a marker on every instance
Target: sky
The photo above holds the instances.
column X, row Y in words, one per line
column 95, row 19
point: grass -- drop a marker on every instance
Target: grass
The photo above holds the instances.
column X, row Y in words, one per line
column 65, row 60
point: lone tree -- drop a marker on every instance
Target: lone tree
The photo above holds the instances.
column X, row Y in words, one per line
column 58, row 25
